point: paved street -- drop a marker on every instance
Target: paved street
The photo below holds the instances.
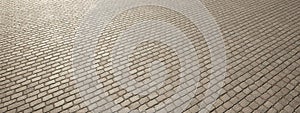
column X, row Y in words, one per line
column 150, row 56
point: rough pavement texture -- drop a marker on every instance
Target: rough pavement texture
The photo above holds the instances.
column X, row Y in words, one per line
column 262, row 42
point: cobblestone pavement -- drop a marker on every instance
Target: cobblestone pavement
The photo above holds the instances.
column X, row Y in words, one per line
column 149, row 58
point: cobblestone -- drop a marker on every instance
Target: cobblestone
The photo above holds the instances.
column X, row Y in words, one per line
column 37, row 68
